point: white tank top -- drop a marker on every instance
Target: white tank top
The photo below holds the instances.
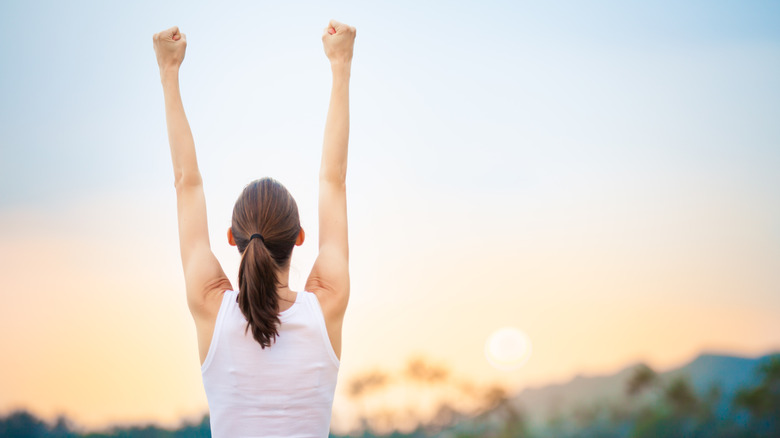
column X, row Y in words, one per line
column 285, row 390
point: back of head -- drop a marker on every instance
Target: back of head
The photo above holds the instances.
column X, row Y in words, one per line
column 265, row 207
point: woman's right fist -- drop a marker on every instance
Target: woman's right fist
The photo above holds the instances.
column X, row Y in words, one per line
column 338, row 40
column 169, row 45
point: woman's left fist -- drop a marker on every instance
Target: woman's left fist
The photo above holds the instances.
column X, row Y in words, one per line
column 169, row 45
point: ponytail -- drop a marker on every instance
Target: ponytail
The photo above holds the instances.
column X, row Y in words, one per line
column 265, row 209
column 257, row 296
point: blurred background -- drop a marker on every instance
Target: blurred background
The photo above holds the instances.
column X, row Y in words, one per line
column 550, row 203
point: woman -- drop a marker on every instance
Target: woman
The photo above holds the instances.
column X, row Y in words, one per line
column 269, row 355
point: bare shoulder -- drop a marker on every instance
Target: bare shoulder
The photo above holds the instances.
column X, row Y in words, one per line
column 329, row 278
column 207, row 308
column 332, row 292
column 333, row 305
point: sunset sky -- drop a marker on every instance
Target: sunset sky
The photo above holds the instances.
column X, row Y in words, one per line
column 602, row 176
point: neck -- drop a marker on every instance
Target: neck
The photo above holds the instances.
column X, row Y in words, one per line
column 284, row 291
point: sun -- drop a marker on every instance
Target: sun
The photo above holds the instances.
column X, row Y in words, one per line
column 508, row 348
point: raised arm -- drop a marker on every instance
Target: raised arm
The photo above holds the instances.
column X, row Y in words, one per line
column 330, row 274
column 202, row 272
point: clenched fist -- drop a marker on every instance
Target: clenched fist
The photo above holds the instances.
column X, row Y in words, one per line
column 338, row 41
column 169, row 45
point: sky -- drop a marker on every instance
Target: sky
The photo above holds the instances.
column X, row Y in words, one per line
column 601, row 176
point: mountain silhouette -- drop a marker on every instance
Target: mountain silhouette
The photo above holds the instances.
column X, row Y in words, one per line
column 726, row 372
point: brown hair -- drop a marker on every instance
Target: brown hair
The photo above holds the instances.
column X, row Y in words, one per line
column 266, row 207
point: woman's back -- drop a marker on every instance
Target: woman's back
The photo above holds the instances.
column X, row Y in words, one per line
column 267, row 372
column 285, row 390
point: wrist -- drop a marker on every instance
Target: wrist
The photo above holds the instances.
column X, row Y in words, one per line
column 341, row 67
column 169, row 74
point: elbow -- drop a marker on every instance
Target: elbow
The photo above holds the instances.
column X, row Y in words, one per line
column 337, row 175
column 186, row 179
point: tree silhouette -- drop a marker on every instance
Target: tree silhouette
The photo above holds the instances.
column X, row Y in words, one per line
column 643, row 378
column 499, row 403
column 681, row 397
column 22, row 424
column 763, row 400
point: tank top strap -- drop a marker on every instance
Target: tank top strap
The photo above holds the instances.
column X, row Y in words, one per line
column 315, row 309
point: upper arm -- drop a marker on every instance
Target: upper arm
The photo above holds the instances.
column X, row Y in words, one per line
column 330, row 273
column 202, row 271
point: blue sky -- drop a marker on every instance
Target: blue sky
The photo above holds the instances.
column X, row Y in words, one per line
column 454, row 89
column 592, row 173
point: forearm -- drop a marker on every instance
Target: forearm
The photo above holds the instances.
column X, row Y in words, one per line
column 334, row 148
column 185, row 164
